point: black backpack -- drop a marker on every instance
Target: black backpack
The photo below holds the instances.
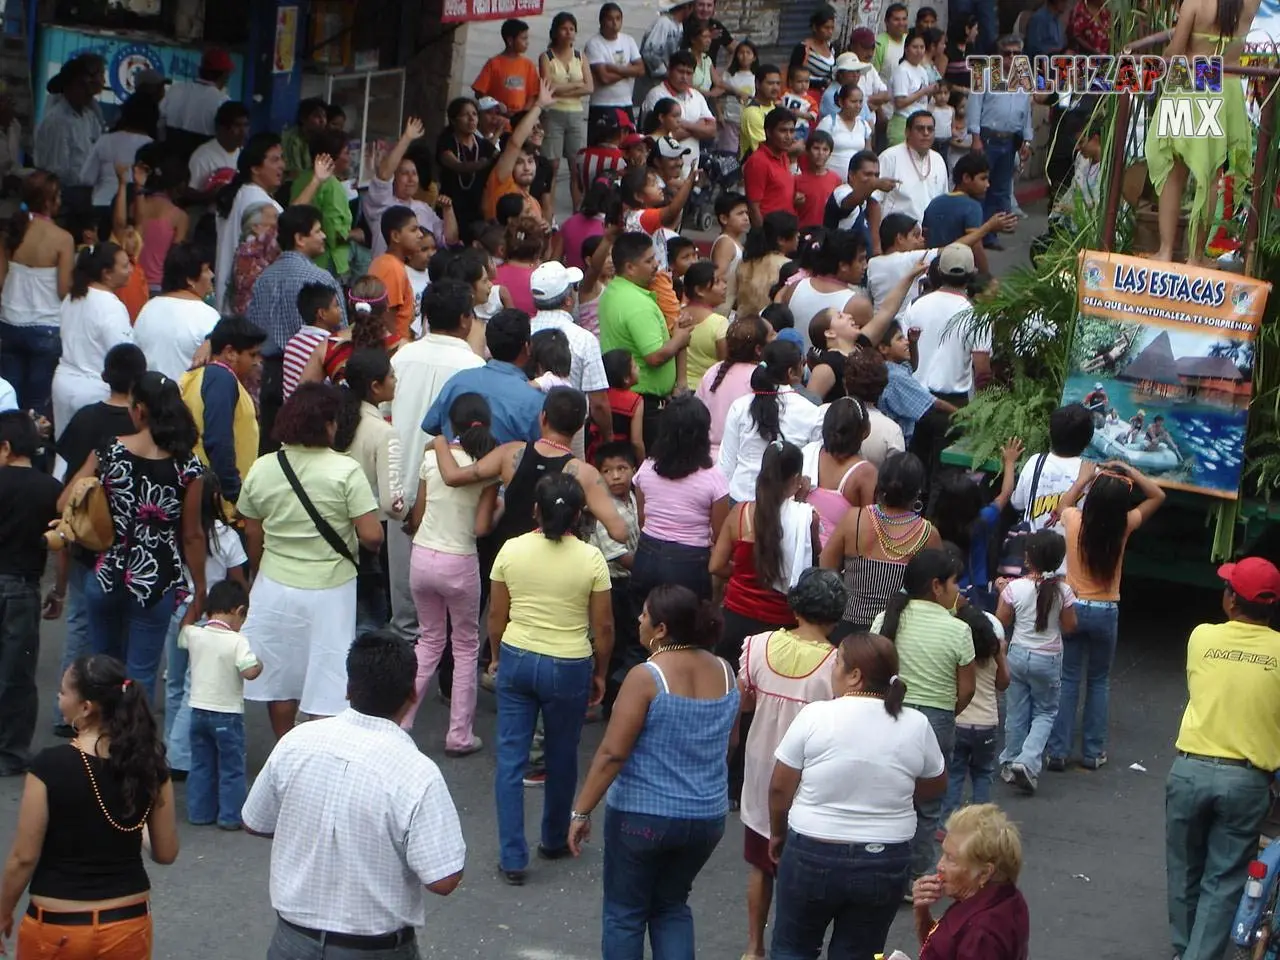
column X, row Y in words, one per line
column 1013, row 552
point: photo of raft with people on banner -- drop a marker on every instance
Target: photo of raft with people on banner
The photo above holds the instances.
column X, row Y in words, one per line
column 1163, row 357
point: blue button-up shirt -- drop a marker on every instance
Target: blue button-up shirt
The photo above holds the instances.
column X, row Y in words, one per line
column 1002, row 112
column 827, row 107
column 273, row 308
column 514, row 402
column 904, row 399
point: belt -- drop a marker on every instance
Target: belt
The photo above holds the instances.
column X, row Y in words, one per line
column 355, row 941
column 88, row 918
column 1222, row 761
column 988, row 134
column 1097, row 603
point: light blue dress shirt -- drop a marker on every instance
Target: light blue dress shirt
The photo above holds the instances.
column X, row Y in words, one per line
column 514, row 403
column 1002, row 112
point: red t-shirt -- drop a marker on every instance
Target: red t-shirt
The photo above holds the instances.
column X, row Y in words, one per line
column 769, row 181
column 816, row 188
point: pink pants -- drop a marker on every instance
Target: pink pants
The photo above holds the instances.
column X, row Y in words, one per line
column 446, row 589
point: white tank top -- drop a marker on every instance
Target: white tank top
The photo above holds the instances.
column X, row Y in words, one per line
column 807, row 303
column 30, row 297
column 731, row 275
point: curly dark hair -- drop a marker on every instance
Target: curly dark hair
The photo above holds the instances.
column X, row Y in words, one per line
column 305, row 418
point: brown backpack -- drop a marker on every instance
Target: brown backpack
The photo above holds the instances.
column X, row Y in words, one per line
column 86, row 519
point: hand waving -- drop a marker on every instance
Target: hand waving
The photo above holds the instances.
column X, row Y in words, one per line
column 413, row 128
column 322, row 167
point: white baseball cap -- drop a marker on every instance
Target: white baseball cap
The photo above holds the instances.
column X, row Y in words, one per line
column 956, row 261
column 552, row 280
column 850, row 62
column 671, row 149
column 488, row 103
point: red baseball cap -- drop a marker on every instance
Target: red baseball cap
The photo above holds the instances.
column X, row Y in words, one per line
column 1252, row 579
column 631, row 140
column 217, row 59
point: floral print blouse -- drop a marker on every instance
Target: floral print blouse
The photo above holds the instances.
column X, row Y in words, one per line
column 1092, row 29
column 254, row 255
column 145, row 498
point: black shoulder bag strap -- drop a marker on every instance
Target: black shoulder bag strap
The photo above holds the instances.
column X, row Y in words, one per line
column 1035, row 486
column 329, row 534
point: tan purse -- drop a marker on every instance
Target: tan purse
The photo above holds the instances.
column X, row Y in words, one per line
column 85, row 521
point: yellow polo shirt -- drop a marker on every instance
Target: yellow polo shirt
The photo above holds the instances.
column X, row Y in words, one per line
column 1233, row 678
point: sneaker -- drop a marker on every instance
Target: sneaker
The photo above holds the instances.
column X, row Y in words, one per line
column 513, row 877
column 1022, row 778
column 1056, row 764
column 535, row 778
column 475, row 746
column 1006, row 773
column 1094, row 763
column 230, row 827
column 546, row 853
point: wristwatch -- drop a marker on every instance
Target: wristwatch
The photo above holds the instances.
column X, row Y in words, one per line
column 577, row 817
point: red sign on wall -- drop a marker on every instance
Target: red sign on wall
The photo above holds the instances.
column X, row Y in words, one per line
column 457, row 11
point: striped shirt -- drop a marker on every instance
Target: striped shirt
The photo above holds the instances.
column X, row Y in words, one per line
column 597, row 162
column 931, row 645
column 297, row 352
column 273, row 308
column 871, row 583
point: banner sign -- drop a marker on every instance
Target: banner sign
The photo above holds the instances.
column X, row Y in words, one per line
column 1163, row 357
column 459, row 11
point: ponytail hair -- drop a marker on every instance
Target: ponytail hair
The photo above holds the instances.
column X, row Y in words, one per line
column 560, row 500
column 1045, row 552
column 782, row 463
column 172, row 427
column 472, row 420
column 254, row 154
column 922, row 570
column 39, row 194
column 91, row 264
column 368, row 299
column 363, row 369
column 136, row 759
column 772, row 373
column 876, row 658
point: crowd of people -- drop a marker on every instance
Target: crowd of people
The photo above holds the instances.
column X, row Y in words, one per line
column 588, row 466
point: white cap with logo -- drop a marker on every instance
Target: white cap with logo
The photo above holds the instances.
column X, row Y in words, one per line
column 670, row 148
column 552, row 280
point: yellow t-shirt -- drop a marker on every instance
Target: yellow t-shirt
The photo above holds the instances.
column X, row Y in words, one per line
column 550, row 585
column 702, row 347
column 294, row 553
column 1233, row 678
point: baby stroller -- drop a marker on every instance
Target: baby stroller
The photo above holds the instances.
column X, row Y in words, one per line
column 722, row 174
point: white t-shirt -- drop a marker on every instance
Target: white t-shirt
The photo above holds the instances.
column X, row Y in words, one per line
column 946, row 343
column 192, row 106
column 870, row 83
column 1021, row 594
column 208, row 159
column 1056, row 478
column 170, row 330
column 848, row 141
column 905, row 80
column 621, row 51
column 693, row 107
column 859, row 768
column 8, row 396
column 919, row 181
column 217, row 657
column 885, row 271
column 99, row 167
column 742, row 447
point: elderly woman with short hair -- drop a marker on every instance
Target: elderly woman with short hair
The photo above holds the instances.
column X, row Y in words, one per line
column 978, row 870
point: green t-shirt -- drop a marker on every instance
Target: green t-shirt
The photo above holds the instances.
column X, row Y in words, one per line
column 931, row 645
column 335, row 220
column 631, row 320
column 294, row 553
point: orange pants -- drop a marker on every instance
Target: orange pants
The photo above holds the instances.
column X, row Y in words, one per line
column 122, row 940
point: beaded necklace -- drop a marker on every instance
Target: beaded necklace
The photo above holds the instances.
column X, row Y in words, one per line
column 467, row 181
column 928, row 164
column 97, row 794
column 556, row 445
column 899, row 545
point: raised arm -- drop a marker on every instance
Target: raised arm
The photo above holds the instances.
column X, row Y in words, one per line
column 1010, row 453
column 413, row 129
column 515, row 143
column 888, row 309
column 321, row 170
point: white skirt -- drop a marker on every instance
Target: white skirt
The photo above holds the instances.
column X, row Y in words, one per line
column 302, row 638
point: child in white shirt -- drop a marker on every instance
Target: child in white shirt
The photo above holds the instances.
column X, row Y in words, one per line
column 221, row 661
column 1038, row 607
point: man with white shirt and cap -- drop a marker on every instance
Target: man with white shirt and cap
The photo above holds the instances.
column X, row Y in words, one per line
column 697, row 122
column 189, row 110
column 953, row 356
column 555, row 294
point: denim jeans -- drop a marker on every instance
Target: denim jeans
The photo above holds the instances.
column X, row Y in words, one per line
column 924, row 848
column 859, row 886
column 28, row 357
column 19, row 652
column 1213, row 813
column 177, row 690
column 558, row 688
column 77, row 636
column 125, row 629
column 650, row 863
column 216, row 785
column 289, row 944
column 1031, row 706
column 1000, row 154
column 972, row 758
column 659, row 562
column 1094, row 643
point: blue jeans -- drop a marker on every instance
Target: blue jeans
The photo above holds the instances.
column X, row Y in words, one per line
column 216, row 786
column 1094, row 643
column 19, row 652
column 77, row 640
column 529, row 684
column 28, row 357
column 1213, row 813
column 1031, row 706
column 659, row 562
column 859, row 886
column 123, row 628
column 924, row 848
column 650, row 864
column 1001, row 154
column 289, row 944
column 972, row 758
column 177, row 688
